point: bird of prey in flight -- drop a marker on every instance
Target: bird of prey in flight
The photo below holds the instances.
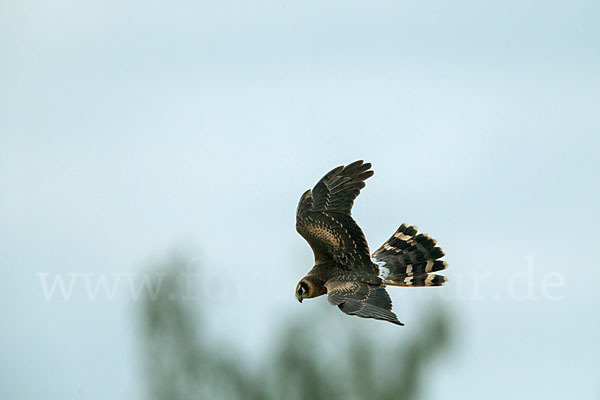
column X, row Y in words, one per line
column 353, row 279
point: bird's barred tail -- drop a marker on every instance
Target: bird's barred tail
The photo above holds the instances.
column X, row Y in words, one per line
column 408, row 259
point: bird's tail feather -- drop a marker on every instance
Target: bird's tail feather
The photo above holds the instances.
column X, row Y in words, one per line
column 408, row 259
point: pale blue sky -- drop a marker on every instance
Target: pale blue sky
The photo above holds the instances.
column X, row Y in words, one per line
column 128, row 128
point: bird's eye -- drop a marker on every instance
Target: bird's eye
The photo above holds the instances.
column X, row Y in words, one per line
column 301, row 289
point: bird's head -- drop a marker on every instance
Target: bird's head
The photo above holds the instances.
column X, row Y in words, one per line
column 302, row 290
column 310, row 286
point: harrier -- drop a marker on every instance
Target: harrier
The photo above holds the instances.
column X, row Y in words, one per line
column 354, row 280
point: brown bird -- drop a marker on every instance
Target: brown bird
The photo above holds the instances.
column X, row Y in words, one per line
column 344, row 270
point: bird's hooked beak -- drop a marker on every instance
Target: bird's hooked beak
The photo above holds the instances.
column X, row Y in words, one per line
column 299, row 297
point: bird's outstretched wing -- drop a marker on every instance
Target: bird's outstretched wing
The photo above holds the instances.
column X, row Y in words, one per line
column 361, row 299
column 324, row 216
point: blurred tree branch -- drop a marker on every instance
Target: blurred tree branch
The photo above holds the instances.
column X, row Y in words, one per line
column 179, row 363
